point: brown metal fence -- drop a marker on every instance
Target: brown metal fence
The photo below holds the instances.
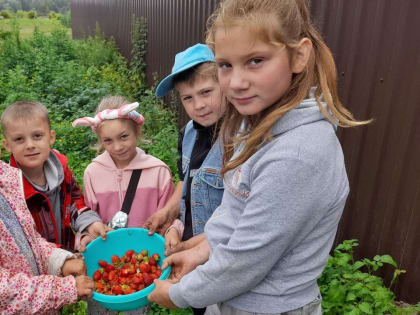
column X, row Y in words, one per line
column 378, row 59
column 172, row 26
column 376, row 47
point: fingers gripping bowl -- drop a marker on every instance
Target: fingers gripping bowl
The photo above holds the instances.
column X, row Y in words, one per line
column 117, row 243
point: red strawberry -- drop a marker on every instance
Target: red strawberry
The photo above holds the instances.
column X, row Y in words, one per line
column 115, row 259
column 116, row 289
column 129, row 253
column 103, row 263
column 127, row 289
column 124, row 272
column 145, row 268
column 105, row 276
column 97, row 275
column 147, row 279
column 111, row 275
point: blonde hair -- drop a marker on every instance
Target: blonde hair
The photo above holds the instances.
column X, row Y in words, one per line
column 293, row 22
column 114, row 102
column 24, row 110
column 205, row 70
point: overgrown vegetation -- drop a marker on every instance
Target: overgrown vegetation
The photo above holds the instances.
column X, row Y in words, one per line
column 25, row 26
column 70, row 78
column 347, row 289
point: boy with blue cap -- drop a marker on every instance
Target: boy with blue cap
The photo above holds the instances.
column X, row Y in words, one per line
column 200, row 189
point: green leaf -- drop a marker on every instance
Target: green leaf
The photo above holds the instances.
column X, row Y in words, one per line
column 365, row 308
column 387, row 259
column 354, row 311
column 358, row 264
column 351, row 297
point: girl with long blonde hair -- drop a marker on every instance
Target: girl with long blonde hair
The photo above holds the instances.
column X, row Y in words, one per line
column 284, row 174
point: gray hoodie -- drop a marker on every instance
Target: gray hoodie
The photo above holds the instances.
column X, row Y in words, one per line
column 54, row 175
column 271, row 235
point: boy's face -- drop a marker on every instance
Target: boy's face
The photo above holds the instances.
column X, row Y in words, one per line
column 202, row 100
column 29, row 141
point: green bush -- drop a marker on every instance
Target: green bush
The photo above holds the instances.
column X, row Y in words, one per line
column 21, row 14
column 54, row 15
column 79, row 308
column 5, row 34
column 346, row 289
column 32, row 15
column 6, row 14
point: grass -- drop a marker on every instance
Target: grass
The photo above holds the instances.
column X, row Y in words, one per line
column 27, row 26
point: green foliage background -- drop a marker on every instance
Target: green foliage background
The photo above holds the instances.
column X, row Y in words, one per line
column 70, row 77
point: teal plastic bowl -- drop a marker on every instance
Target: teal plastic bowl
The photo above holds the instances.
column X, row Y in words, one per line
column 117, row 243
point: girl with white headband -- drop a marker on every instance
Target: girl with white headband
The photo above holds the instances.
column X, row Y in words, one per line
column 106, row 179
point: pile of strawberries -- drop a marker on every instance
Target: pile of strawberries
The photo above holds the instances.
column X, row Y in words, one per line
column 127, row 274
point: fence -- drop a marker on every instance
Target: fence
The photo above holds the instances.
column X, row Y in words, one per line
column 376, row 47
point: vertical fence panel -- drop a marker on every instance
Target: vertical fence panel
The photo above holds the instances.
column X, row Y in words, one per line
column 376, row 55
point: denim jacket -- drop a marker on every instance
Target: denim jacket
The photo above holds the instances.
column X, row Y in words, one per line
column 207, row 183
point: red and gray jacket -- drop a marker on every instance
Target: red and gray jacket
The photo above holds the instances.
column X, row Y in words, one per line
column 71, row 200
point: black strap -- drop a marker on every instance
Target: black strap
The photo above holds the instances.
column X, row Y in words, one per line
column 131, row 191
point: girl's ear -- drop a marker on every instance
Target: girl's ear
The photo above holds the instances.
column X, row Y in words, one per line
column 301, row 55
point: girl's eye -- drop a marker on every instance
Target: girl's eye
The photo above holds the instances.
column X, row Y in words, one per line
column 19, row 139
column 255, row 61
column 186, row 98
column 206, row 92
column 124, row 137
column 107, row 141
column 37, row 136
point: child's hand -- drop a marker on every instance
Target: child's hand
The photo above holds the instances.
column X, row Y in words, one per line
column 94, row 230
column 161, row 220
column 84, row 286
column 73, row 266
column 171, row 239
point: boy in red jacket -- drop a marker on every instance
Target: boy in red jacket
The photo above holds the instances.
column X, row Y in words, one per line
column 51, row 192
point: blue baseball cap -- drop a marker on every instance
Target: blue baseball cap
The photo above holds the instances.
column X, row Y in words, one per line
column 185, row 60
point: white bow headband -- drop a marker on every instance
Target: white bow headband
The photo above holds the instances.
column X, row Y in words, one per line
column 126, row 112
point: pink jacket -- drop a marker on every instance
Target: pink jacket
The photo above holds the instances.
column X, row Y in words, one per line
column 105, row 186
column 21, row 291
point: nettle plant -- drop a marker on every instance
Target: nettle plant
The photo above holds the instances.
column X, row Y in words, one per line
column 347, row 289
